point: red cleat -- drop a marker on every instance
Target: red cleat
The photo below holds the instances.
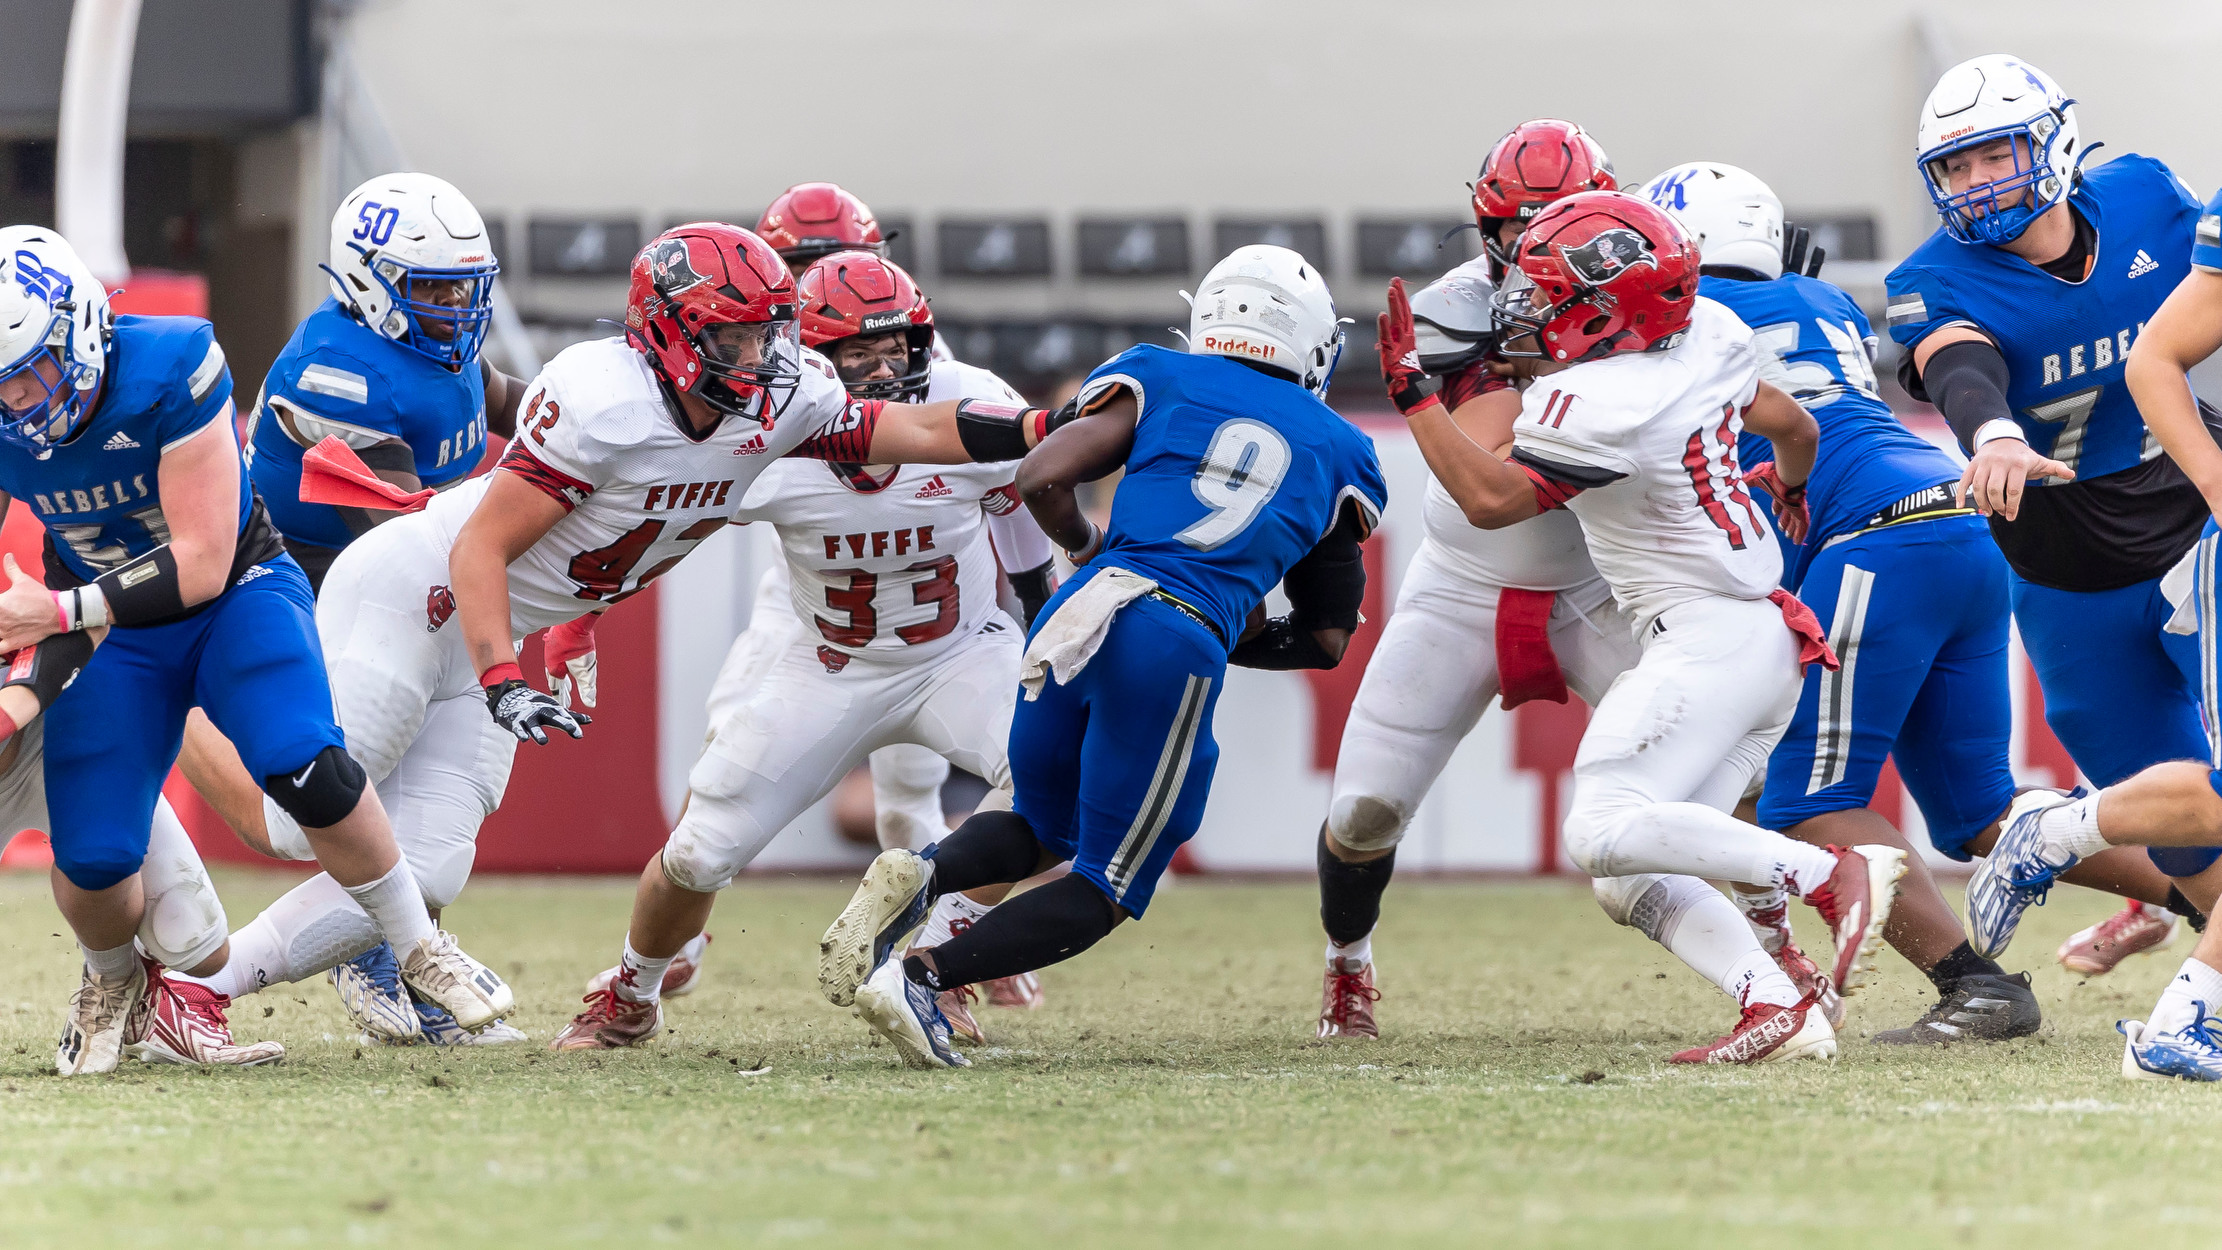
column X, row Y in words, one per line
column 1347, row 999
column 1023, row 990
column 183, row 1022
column 956, row 1007
column 2138, row 929
column 1856, row 902
column 1795, row 963
column 1767, row 1032
column 610, row 1022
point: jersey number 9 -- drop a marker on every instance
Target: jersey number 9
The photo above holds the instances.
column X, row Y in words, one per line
column 1241, row 470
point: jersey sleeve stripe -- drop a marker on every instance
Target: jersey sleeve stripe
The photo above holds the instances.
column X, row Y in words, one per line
column 848, row 438
column 554, row 483
column 1002, row 501
column 337, row 383
column 1910, row 310
column 1369, row 512
column 308, row 429
column 205, row 374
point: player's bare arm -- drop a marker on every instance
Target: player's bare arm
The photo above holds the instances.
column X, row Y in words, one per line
column 956, row 431
column 513, row 516
column 1088, row 448
column 2186, row 330
column 1797, row 437
column 1491, row 492
column 504, row 395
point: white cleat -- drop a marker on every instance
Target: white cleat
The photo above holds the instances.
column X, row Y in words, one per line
column 99, row 1013
column 890, row 902
column 906, row 1014
column 372, row 995
column 438, row 970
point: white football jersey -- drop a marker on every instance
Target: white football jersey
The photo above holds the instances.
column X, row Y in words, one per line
column 1651, row 438
column 895, row 567
column 638, row 491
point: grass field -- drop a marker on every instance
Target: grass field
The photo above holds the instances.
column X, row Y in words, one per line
column 1169, row 1093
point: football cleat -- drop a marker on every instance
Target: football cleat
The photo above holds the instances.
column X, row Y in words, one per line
column 1022, row 991
column 1346, row 1000
column 1981, row 1008
column 2016, row 876
column 2192, row 1053
column 890, row 902
column 183, row 1022
column 2138, row 929
column 1767, row 1032
column 100, row 1014
column 957, row 1010
column 609, row 1023
column 905, row 1013
column 438, row 971
column 440, row 1029
column 371, row 992
column 1856, row 902
column 1805, row 976
column 680, row 978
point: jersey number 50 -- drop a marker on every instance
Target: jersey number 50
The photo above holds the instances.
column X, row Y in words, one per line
column 1241, row 469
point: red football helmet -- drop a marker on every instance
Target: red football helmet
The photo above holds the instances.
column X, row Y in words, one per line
column 1610, row 273
column 1534, row 164
column 813, row 219
column 857, row 293
column 713, row 309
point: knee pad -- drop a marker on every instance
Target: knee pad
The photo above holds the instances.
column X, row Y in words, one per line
column 1587, row 841
column 712, row 843
column 322, row 794
column 1625, row 899
column 183, row 924
column 1361, row 822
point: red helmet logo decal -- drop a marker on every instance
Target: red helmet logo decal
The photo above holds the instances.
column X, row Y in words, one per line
column 1609, row 255
column 673, row 271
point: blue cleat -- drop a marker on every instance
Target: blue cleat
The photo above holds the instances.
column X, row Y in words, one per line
column 439, row 1028
column 2016, row 876
column 2192, row 1053
column 370, row 989
column 890, row 902
column 909, row 1015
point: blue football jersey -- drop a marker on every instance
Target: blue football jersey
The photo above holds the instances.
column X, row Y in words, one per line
column 1234, row 477
column 338, row 377
column 99, row 494
column 1814, row 343
column 2206, row 243
column 2065, row 342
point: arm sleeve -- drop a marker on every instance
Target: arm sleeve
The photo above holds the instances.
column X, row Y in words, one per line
column 1967, row 382
column 204, row 381
column 1326, row 587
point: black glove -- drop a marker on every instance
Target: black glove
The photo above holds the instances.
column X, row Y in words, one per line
column 1033, row 588
column 1799, row 256
column 522, row 710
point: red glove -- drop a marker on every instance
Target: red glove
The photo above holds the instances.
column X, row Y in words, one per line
column 1790, row 514
column 567, row 654
column 1410, row 388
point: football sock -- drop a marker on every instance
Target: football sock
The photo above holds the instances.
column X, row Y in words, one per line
column 1709, row 933
column 1768, row 912
column 952, row 914
column 1355, row 955
column 1755, row 978
column 396, row 906
column 2070, row 830
column 114, row 964
column 2180, row 1003
column 1962, row 962
column 640, row 979
column 312, row 928
column 1350, row 894
column 989, row 848
column 1045, row 925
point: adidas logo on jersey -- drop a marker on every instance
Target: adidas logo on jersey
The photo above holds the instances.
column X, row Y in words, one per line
column 934, row 489
column 2142, row 264
column 120, row 441
column 753, row 447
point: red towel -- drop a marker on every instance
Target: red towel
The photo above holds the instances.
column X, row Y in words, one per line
column 1527, row 668
column 1813, row 645
column 332, row 473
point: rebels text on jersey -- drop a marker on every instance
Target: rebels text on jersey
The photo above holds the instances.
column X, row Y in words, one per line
column 894, row 565
column 99, row 494
column 2130, row 513
column 1642, row 448
column 638, row 491
column 338, row 378
column 1234, row 476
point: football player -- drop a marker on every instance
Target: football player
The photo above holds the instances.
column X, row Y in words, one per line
column 390, row 366
column 1636, row 435
column 893, row 574
column 1914, row 594
column 1239, row 479
column 2018, row 314
column 629, row 452
column 118, row 431
column 1546, row 621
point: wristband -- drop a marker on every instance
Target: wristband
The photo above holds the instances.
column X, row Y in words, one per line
column 505, row 671
column 81, row 607
column 1997, row 428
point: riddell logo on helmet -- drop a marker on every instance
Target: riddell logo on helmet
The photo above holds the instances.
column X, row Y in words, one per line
column 1239, row 347
column 1609, row 255
column 671, row 270
column 892, row 319
column 1950, row 135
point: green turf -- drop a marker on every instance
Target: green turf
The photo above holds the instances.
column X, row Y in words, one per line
column 1170, row 1093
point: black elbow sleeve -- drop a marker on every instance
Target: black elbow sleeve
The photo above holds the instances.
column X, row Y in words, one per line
column 48, row 668
column 1327, row 586
column 1967, row 382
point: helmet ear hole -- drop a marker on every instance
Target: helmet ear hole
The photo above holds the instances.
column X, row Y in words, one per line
column 1596, row 324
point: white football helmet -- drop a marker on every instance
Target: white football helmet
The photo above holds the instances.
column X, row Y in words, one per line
column 1982, row 101
column 1268, row 305
column 1737, row 218
column 1453, row 324
column 54, row 329
column 395, row 236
